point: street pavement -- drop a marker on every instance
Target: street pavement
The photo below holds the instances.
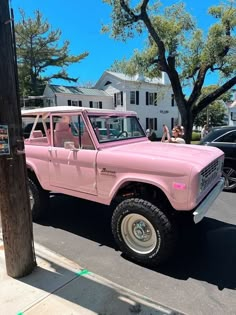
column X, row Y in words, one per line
column 59, row 286
column 199, row 279
column 90, row 276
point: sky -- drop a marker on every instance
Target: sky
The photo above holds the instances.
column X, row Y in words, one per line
column 80, row 22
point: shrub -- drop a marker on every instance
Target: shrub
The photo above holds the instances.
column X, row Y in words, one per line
column 196, row 136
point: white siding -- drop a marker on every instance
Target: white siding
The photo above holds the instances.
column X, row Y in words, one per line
column 164, row 111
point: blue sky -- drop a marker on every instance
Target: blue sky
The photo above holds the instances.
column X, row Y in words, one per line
column 80, row 23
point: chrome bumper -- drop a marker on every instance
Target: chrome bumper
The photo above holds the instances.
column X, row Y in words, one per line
column 202, row 209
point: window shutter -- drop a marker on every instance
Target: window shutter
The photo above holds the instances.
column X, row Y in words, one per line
column 115, row 99
column 90, row 104
column 155, row 99
column 147, row 123
column 147, row 98
column 137, row 97
column 155, row 122
column 121, row 97
column 100, row 104
column 69, row 102
column 80, row 103
column 172, row 100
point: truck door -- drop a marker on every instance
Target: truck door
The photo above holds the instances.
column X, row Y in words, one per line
column 72, row 156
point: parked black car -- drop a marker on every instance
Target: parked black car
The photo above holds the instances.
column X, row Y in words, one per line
column 224, row 138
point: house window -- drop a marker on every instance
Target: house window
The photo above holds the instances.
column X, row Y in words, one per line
column 90, row 104
column 151, row 123
column 69, row 102
column 134, row 97
column 151, row 98
column 80, row 103
column 107, row 83
column 118, row 98
column 97, row 104
column 74, row 103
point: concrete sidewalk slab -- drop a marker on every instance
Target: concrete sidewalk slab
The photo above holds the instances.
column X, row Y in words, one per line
column 61, row 287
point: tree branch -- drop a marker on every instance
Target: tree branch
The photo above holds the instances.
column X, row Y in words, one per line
column 214, row 95
column 198, row 84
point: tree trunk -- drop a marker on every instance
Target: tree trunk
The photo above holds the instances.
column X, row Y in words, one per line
column 14, row 199
column 187, row 122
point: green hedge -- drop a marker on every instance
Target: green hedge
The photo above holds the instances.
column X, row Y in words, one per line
column 196, row 136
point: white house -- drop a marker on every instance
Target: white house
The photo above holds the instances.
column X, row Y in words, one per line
column 152, row 99
column 232, row 113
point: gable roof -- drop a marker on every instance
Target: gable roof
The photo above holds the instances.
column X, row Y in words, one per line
column 76, row 90
column 136, row 78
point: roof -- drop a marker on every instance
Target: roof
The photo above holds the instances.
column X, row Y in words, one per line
column 135, row 78
column 76, row 90
column 71, row 109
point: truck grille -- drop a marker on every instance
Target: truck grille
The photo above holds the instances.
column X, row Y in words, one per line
column 210, row 173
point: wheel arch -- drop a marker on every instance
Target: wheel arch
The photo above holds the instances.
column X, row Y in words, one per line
column 143, row 190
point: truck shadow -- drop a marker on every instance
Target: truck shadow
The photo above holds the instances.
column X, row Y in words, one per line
column 206, row 252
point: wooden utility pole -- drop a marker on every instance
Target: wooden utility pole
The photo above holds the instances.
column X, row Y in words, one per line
column 14, row 199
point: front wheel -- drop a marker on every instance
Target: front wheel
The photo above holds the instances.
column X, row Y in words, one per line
column 39, row 199
column 143, row 232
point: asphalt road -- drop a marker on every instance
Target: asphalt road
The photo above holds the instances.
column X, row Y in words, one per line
column 199, row 279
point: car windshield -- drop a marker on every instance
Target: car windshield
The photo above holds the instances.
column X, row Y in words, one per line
column 113, row 128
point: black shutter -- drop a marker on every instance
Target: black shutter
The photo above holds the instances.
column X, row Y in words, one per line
column 147, row 123
column 69, row 102
column 172, row 100
column 147, row 98
column 155, row 122
column 100, row 104
column 90, row 104
column 155, row 99
column 115, row 99
column 121, row 97
column 137, row 97
column 172, row 123
column 80, row 103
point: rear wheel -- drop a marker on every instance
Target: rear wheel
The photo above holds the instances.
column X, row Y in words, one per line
column 39, row 199
column 143, row 232
column 229, row 173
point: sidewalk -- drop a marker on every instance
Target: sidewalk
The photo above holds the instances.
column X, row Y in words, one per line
column 59, row 286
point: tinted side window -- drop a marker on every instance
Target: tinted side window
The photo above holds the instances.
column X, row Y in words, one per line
column 229, row 137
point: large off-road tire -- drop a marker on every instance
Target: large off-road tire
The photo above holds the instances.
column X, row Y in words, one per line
column 39, row 200
column 143, row 232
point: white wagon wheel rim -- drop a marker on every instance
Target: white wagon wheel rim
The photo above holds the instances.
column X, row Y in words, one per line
column 139, row 234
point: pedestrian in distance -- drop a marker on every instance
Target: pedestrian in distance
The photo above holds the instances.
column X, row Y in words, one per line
column 204, row 131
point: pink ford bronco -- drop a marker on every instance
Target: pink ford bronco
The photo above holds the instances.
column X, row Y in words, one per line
column 104, row 156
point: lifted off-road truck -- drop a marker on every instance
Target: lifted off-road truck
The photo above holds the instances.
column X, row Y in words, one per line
column 104, row 156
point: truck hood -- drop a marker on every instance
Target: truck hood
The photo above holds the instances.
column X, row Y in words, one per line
column 197, row 154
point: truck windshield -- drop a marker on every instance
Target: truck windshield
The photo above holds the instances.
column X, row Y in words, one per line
column 113, row 128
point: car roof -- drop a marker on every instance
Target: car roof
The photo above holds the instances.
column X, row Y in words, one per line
column 216, row 132
column 71, row 109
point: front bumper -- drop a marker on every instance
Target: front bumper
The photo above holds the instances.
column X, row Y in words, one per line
column 202, row 209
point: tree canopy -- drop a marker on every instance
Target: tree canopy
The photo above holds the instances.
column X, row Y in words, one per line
column 38, row 49
column 175, row 45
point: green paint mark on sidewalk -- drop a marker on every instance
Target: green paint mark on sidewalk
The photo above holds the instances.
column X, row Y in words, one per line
column 20, row 313
column 83, row 272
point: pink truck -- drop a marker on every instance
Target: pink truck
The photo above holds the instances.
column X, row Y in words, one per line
column 104, row 156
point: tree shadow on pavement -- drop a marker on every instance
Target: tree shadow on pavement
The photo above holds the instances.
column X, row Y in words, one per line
column 60, row 288
column 206, row 252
